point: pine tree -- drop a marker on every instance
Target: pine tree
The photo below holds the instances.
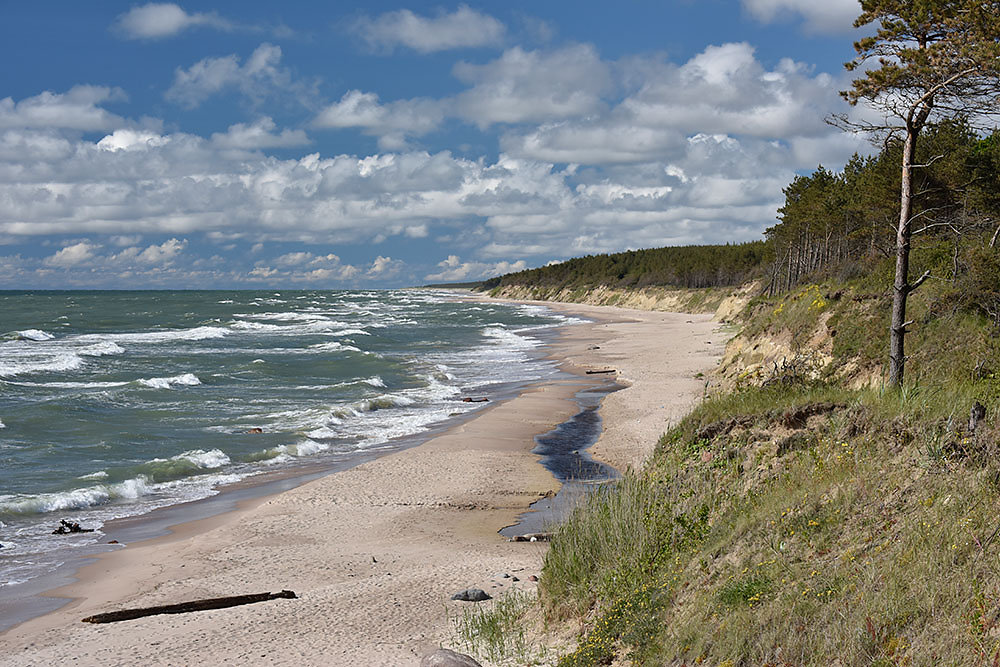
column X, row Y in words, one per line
column 936, row 59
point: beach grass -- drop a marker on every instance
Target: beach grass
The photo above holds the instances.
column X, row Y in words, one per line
column 495, row 631
column 867, row 534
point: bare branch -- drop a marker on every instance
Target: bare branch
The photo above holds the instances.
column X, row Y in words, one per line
column 918, row 282
column 927, row 164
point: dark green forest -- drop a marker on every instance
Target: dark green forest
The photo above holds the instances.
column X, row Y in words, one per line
column 684, row 266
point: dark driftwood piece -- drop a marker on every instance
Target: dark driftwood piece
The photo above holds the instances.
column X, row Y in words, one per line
column 468, row 399
column 610, row 370
column 66, row 527
column 184, row 607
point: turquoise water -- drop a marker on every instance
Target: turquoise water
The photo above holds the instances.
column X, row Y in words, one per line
column 116, row 403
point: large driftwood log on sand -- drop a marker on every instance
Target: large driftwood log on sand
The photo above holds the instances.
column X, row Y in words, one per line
column 610, row 370
column 184, row 607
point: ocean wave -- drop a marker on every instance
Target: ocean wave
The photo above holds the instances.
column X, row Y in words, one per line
column 213, row 458
column 323, row 433
column 166, row 336
column 187, row 379
column 350, row 332
column 509, row 339
column 34, row 334
column 71, row 385
column 333, row 346
column 75, row 498
column 52, row 361
column 375, row 381
column 132, row 489
column 284, row 453
column 101, row 349
column 384, row 402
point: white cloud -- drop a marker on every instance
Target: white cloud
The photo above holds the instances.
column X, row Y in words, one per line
column 259, row 134
column 131, row 140
column 385, row 266
column 164, row 253
column 76, row 109
column 462, row 28
column 157, row 20
column 723, row 90
column 834, row 16
column 392, row 122
column 259, row 78
column 533, row 86
column 455, row 270
column 73, row 255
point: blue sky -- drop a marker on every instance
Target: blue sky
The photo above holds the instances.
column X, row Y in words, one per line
column 323, row 145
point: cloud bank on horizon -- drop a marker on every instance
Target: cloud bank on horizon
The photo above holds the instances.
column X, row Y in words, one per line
column 240, row 148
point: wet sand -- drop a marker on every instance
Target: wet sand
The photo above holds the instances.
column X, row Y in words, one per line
column 375, row 552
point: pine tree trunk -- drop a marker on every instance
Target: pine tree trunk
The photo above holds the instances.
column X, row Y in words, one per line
column 901, row 285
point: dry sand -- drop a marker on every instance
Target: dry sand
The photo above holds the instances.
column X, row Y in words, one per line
column 375, row 552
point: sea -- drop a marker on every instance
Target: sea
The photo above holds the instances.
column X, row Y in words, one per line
column 114, row 404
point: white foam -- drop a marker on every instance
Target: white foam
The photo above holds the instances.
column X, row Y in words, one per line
column 35, row 334
column 350, row 332
column 71, row 385
column 100, row 474
column 187, row 379
column 213, row 458
column 2, row 425
column 322, row 433
column 309, row 447
column 51, row 361
column 101, row 349
column 375, row 381
column 197, row 333
column 333, row 346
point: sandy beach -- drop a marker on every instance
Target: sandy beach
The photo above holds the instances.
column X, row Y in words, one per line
column 375, row 552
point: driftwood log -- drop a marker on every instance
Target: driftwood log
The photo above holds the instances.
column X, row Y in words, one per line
column 532, row 537
column 469, row 399
column 184, row 607
column 67, row 527
column 610, row 370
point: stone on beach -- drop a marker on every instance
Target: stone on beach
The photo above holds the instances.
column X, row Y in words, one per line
column 445, row 658
column 472, row 595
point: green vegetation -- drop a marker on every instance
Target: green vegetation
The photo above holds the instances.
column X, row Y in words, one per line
column 686, row 266
column 495, row 632
column 803, row 525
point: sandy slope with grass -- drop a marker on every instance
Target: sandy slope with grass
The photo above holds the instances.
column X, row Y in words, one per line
column 374, row 553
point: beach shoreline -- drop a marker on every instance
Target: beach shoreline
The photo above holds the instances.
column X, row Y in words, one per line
column 374, row 552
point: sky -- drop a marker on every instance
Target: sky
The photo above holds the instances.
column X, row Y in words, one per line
column 250, row 144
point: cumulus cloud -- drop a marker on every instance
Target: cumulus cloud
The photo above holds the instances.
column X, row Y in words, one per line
column 260, row 77
column 462, row 28
column 73, row 255
column 820, row 15
column 724, row 90
column 533, row 86
column 157, row 20
column 131, row 140
column 391, row 122
column 164, row 253
column 259, row 134
column 455, row 270
column 305, row 267
column 385, row 267
column 77, row 109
